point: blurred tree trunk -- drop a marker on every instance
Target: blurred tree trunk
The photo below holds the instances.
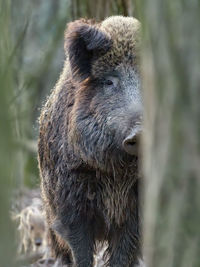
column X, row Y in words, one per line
column 171, row 145
column 127, row 6
column 100, row 9
column 6, row 164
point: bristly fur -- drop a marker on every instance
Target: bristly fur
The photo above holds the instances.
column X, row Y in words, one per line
column 89, row 184
column 125, row 35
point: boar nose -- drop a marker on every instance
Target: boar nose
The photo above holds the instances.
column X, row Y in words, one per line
column 131, row 142
column 38, row 242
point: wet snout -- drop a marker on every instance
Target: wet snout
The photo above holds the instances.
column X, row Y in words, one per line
column 131, row 142
column 38, row 242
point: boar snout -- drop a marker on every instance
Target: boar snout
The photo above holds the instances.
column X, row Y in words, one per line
column 131, row 142
column 38, row 242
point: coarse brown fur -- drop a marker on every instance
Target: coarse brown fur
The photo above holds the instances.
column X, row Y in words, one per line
column 89, row 183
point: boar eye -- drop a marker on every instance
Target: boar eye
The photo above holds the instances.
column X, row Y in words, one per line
column 111, row 81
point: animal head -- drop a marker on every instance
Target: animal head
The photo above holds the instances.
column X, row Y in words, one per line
column 32, row 232
column 107, row 113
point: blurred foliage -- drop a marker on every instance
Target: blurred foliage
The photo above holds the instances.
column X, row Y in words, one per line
column 171, row 80
column 7, row 165
column 31, row 49
column 37, row 31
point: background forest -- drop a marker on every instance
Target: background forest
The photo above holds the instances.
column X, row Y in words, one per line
column 31, row 58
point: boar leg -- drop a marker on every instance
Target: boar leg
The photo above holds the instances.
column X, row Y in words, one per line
column 79, row 237
column 124, row 247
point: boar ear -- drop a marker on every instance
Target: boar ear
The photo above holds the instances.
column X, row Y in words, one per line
column 82, row 41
